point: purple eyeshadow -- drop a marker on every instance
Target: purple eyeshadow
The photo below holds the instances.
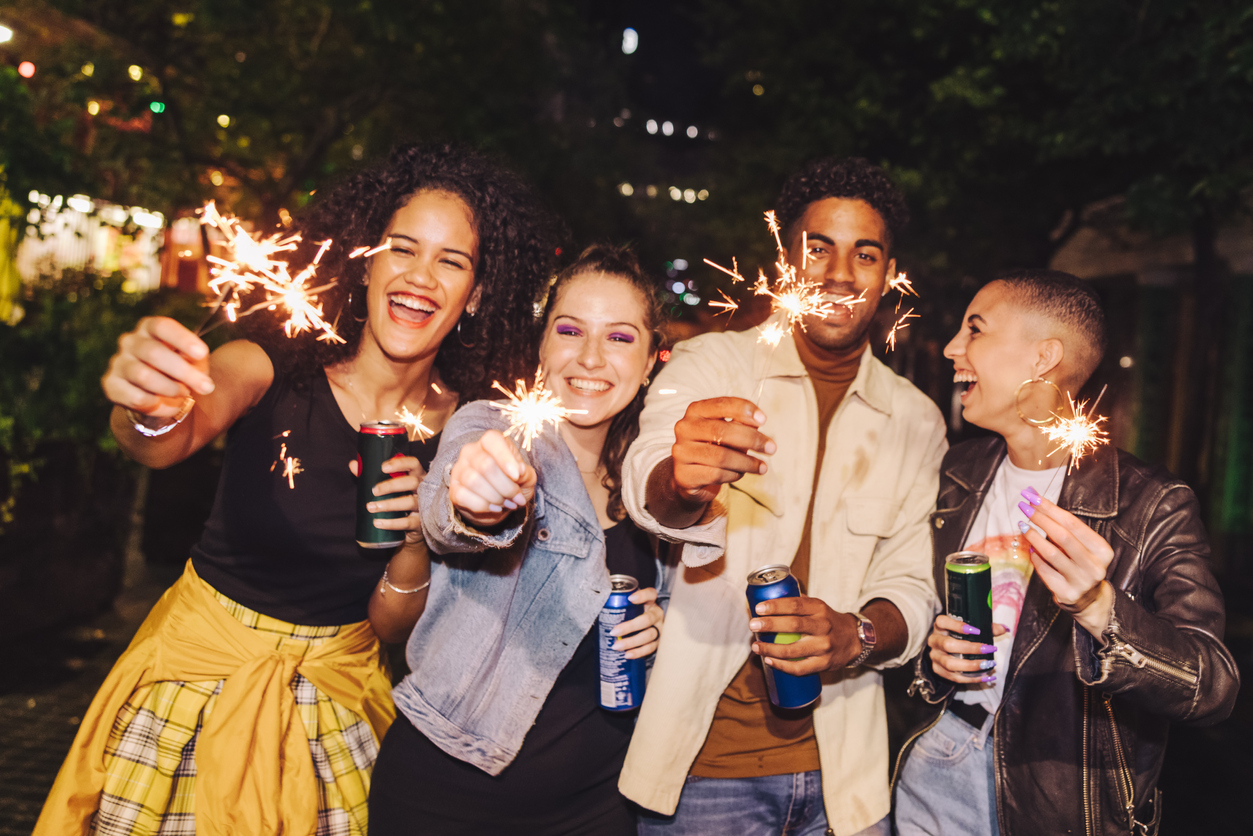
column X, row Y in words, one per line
column 568, row 329
column 624, row 337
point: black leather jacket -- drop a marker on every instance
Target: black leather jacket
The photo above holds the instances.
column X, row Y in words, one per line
column 1081, row 730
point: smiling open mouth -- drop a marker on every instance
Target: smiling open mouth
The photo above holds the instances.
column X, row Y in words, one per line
column 966, row 377
column 580, row 384
column 408, row 308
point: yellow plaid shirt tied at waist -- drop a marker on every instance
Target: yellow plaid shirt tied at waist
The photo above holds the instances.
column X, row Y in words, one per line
column 254, row 770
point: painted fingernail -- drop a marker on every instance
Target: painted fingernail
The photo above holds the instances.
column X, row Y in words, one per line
column 511, row 505
column 989, row 679
column 1026, row 509
column 987, row 665
column 1032, row 496
column 1023, row 527
column 519, row 500
column 1006, row 627
column 754, row 626
column 987, row 648
column 495, row 509
column 970, row 629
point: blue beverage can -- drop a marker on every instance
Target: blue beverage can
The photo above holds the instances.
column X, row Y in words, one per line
column 786, row 690
column 377, row 441
column 621, row 679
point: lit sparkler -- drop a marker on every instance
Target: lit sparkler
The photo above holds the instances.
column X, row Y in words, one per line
column 251, row 264
column 413, row 423
column 1081, row 433
column 901, row 283
column 728, row 304
column 530, row 409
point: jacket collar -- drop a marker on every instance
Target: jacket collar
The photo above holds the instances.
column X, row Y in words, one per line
column 1089, row 490
column 873, row 383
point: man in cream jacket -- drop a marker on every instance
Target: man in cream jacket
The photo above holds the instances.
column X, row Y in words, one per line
column 811, row 454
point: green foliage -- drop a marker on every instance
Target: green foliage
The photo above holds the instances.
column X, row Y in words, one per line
column 53, row 361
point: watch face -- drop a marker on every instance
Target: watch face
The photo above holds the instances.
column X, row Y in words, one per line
column 867, row 631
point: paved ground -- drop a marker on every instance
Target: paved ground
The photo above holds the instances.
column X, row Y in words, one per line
column 46, row 685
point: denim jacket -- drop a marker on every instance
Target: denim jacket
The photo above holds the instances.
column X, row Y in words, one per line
column 506, row 609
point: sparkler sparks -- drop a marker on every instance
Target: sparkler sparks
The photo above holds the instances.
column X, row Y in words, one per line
column 729, row 305
column 252, row 264
column 1081, row 433
column 291, row 464
column 413, row 423
column 899, row 325
column 901, row 283
column 530, row 409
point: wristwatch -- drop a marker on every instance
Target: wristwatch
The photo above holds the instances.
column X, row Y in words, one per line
column 865, row 632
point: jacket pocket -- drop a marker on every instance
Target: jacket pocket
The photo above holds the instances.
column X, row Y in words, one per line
column 873, row 516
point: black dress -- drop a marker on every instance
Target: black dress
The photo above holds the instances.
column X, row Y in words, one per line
column 286, row 545
column 565, row 777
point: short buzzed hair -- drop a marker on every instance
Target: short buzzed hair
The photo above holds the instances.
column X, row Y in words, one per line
column 853, row 178
column 1070, row 301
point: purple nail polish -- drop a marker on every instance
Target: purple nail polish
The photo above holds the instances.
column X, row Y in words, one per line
column 989, row 679
column 987, row 664
column 970, row 629
column 495, row 509
column 987, row 648
column 1023, row 527
column 1032, row 496
column 1026, row 509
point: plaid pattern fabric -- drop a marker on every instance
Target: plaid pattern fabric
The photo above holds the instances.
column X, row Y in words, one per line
column 150, row 784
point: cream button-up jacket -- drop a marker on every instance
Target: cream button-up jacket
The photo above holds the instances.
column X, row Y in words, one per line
column 870, row 540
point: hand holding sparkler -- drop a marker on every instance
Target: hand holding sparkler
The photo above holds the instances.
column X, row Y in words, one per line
column 157, row 367
column 1071, row 561
column 713, row 445
column 490, row 480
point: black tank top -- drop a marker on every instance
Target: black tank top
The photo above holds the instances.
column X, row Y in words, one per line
column 284, row 544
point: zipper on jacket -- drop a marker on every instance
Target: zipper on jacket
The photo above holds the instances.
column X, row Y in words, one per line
column 1119, row 647
column 1126, row 788
column 1088, row 826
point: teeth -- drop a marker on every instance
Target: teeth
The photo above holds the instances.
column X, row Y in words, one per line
column 965, row 377
column 414, row 303
column 583, row 385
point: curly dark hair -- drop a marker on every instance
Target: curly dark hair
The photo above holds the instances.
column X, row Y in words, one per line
column 853, row 178
column 621, row 263
column 517, row 249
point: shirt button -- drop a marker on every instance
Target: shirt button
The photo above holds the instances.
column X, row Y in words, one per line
column 543, row 534
column 939, row 522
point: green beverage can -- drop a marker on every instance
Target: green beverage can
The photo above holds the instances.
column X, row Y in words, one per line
column 969, row 582
column 377, row 441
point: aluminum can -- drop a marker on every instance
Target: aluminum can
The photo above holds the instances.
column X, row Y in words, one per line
column 968, row 577
column 621, row 679
column 377, row 441
column 786, row 690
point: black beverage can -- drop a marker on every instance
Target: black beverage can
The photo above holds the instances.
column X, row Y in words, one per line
column 969, row 597
column 377, row 441
column 786, row 690
column 621, row 679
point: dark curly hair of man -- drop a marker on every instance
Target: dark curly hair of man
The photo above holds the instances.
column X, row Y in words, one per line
column 853, row 178
column 517, row 251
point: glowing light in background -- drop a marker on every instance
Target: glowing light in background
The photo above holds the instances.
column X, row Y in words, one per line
column 692, row 132
column 88, row 69
column 626, row 188
column 651, row 126
column 224, row 121
column 667, row 128
column 630, row 40
column 157, row 107
column 6, row 34
column 216, row 178
column 93, row 107
column 135, row 71
column 26, row 69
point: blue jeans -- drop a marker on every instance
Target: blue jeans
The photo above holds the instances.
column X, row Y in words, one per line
column 947, row 785
column 772, row 805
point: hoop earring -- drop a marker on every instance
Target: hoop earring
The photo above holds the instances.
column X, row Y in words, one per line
column 1036, row 422
column 461, row 339
column 348, row 305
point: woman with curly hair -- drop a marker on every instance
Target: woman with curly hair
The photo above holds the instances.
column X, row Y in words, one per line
column 252, row 699
column 500, row 728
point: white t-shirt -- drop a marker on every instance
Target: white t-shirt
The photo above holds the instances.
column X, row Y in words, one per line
column 995, row 533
